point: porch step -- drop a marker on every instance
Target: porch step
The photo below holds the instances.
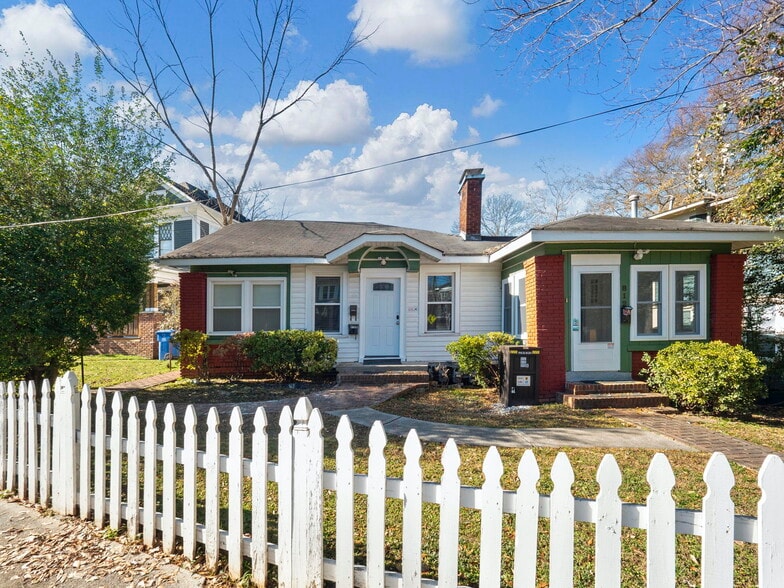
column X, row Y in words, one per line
column 611, row 394
column 382, row 374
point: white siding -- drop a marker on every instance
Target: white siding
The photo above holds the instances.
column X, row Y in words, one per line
column 297, row 297
column 348, row 345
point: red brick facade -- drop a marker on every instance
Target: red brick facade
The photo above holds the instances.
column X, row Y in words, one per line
column 544, row 291
column 193, row 301
column 144, row 344
column 471, row 203
column 726, row 297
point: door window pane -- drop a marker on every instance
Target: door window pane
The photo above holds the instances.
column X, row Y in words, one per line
column 596, row 308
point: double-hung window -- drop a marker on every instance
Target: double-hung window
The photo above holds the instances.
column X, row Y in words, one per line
column 327, row 304
column 669, row 302
column 440, row 303
column 236, row 306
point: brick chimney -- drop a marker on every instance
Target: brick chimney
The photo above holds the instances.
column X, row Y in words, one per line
column 471, row 204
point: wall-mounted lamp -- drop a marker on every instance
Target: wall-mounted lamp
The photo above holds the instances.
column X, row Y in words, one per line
column 383, row 260
column 232, row 273
column 638, row 255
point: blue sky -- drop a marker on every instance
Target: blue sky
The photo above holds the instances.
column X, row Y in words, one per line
column 428, row 79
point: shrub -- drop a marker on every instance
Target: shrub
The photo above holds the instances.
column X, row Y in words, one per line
column 193, row 352
column 477, row 355
column 232, row 357
column 285, row 355
column 713, row 378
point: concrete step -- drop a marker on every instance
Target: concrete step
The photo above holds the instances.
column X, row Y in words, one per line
column 614, row 400
column 607, row 387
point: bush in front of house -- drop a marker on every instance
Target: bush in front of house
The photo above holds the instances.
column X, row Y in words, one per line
column 477, row 355
column 714, row 377
column 193, row 352
column 285, row 355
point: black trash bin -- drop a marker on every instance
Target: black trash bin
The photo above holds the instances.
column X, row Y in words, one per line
column 519, row 381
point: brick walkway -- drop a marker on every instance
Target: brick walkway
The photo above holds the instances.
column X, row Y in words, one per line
column 745, row 453
column 149, row 382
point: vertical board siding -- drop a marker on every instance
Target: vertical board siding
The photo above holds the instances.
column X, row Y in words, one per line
column 73, row 439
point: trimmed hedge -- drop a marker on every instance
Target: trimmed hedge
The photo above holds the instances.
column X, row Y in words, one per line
column 713, row 378
column 477, row 355
column 285, row 355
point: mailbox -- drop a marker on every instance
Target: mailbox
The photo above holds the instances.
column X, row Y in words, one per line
column 519, row 374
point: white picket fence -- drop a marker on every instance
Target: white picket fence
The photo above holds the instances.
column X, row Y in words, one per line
column 60, row 455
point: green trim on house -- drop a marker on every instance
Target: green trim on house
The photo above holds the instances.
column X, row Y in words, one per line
column 398, row 257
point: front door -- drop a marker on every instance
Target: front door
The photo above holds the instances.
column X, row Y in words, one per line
column 595, row 323
column 382, row 318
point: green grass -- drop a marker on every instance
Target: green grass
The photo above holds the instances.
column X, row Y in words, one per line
column 109, row 370
column 479, row 407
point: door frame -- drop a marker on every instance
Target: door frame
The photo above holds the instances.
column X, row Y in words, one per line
column 606, row 263
column 365, row 277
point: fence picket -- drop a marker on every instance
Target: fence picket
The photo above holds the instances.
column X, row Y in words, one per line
column 21, row 431
column 85, row 452
column 661, row 524
column 718, row 546
column 376, row 505
column 561, row 523
column 115, row 464
column 212, row 490
column 234, row 463
column 32, row 443
column 150, row 473
column 168, row 497
column 492, row 520
column 412, row 512
column 285, row 496
column 3, row 433
column 300, row 507
column 526, row 521
column 608, row 524
column 344, row 505
column 189, row 484
column 45, row 445
column 770, row 530
column 314, row 557
column 10, row 480
column 258, row 547
column 67, row 444
column 99, row 476
column 134, row 459
column 449, row 523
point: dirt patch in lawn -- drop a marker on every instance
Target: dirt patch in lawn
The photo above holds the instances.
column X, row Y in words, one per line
column 481, row 408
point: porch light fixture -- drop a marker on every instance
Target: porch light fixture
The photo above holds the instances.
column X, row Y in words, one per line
column 232, row 273
column 383, row 260
column 638, row 255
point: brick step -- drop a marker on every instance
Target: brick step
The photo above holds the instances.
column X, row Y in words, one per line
column 607, row 387
column 614, row 400
column 379, row 378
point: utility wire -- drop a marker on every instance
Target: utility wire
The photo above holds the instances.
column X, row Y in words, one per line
column 88, row 218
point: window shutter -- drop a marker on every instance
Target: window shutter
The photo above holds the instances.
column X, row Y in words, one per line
column 183, row 233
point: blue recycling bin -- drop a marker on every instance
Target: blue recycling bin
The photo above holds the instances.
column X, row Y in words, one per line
column 165, row 346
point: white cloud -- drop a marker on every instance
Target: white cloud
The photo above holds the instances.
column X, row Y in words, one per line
column 336, row 114
column 486, row 107
column 431, row 30
column 44, row 28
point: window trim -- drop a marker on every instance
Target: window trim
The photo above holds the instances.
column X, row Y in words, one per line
column 246, row 308
column 513, row 280
column 668, row 302
column 310, row 298
column 424, row 274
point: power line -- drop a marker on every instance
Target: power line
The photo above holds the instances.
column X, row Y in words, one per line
column 87, row 218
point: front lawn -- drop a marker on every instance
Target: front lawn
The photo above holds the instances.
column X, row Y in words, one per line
column 765, row 426
column 480, row 407
column 110, row 370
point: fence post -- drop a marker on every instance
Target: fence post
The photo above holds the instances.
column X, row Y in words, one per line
column 3, row 421
column 65, row 445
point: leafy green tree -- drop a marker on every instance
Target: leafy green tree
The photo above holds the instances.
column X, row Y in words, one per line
column 70, row 150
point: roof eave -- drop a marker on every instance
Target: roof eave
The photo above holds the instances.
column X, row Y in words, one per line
column 365, row 239
column 209, row 261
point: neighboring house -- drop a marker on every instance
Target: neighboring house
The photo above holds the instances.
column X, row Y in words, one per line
column 592, row 292
column 193, row 216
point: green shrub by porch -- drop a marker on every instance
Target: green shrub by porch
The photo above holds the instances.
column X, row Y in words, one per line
column 477, row 355
column 713, row 378
column 285, row 355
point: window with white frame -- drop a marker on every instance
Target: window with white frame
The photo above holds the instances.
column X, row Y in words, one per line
column 514, row 306
column 327, row 303
column 669, row 302
column 236, row 305
column 440, row 302
column 165, row 238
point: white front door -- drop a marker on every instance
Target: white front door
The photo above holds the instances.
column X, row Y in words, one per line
column 382, row 318
column 595, row 322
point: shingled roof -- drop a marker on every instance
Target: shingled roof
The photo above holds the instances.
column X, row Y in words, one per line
column 317, row 239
